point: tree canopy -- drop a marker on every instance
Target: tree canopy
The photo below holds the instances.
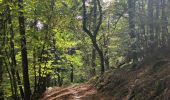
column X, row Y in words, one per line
column 45, row 43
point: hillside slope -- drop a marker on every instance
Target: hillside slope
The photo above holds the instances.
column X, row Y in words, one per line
column 149, row 80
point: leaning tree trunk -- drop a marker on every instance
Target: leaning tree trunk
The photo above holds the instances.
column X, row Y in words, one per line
column 94, row 33
column 100, row 52
column 93, row 63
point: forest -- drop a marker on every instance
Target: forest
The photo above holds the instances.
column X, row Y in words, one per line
column 84, row 49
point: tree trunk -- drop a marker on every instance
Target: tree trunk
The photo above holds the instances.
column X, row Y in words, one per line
column 72, row 74
column 35, row 75
column 132, row 32
column 151, row 24
column 106, row 50
column 20, row 86
column 93, row 63
column 131, row 12
column 157, row 24
column 59, row 79
column 13, row 59
column 93, row 35
column 27, row 90
column 100, row 52
column 10, row 76
column 164, row 24
column 1, row 73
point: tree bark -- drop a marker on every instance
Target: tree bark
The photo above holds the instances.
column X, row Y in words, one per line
column 1, row 78
column 72, row 74
column 10, row 76
column 100, row 52
column 93, row 63
column 164, row 24
column 132, row 32
column 131, row 12
column 27, row 90
column 150, row 23
column 20, row 85
column 93, row 35
column 157, row 24
column 13, row 59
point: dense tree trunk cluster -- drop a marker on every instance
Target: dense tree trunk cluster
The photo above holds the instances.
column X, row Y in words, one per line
column 148, row 24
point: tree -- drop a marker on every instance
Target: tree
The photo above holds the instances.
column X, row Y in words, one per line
column 21, row 18
column 54, row 50
column 132, row 33
column 13, row 59
column 93, row 34
column 164, row 23
column 1, row 64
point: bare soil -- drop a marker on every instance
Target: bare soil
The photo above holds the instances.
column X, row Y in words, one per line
column 81, row 92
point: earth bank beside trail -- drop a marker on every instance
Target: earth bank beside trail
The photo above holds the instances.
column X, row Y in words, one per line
column 148, row 80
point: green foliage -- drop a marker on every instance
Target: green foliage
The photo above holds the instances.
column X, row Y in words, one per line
column 48, row 47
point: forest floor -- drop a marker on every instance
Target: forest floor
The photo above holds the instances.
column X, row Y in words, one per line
column 80, row 92
column 146, row 80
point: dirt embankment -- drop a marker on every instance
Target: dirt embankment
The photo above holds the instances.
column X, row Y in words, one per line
column 150, row 80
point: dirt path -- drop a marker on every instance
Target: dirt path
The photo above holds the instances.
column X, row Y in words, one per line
column 81, row 92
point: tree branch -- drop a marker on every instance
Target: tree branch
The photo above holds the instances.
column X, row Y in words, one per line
column 100, row 18
column 85, row 20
